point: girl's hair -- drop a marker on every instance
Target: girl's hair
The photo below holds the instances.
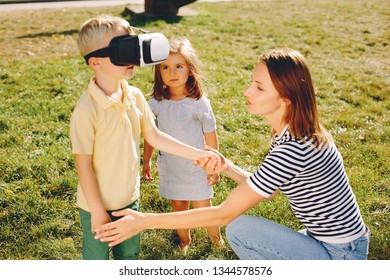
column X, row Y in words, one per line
column 96, row 29
column 291, row 77
column 195, row 80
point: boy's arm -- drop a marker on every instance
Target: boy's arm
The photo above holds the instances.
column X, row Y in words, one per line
column 90, row 190
column 148, row 153
column 211, row 140
column 170, row 145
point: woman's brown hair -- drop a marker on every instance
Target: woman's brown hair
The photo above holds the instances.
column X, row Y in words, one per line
column 291, row 77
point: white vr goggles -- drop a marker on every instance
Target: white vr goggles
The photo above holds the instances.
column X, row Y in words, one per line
column 141, row 50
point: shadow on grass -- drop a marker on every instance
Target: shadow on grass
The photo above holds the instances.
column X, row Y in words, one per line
column 142, row 19
column 49, row 34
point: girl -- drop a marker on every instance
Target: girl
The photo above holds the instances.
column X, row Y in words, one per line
column 303, row 163
column 183, row 112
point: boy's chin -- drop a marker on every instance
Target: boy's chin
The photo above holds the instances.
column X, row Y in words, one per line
column 130, row 72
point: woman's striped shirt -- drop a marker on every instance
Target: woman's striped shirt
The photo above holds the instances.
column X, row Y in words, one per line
column 316, row 185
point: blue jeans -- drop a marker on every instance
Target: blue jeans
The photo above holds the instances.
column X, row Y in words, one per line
column 93, row 249
column 254, row 238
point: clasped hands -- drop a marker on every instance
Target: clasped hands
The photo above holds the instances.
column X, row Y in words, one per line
column 209, row 164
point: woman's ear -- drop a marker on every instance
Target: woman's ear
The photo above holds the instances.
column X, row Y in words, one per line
column 287, row 101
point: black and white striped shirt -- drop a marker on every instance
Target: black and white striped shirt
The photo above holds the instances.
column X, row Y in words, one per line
column 316, row 185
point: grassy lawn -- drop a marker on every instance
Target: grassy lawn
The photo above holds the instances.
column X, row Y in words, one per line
column 42, row 76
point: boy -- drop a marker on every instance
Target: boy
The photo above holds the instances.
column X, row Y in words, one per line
column 105, row 131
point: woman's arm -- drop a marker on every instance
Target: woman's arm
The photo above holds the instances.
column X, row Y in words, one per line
column 238, row 202
column 234, row 172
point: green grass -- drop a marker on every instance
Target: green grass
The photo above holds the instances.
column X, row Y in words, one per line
column 42, row 76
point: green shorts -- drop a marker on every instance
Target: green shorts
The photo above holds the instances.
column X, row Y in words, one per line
column 93, row 249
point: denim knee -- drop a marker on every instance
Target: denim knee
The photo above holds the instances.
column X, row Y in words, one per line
column 233, row 228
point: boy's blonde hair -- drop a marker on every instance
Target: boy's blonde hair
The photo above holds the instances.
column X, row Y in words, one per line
column 94, row 30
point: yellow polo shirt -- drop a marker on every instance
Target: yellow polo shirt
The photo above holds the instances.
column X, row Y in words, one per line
column 110, row 131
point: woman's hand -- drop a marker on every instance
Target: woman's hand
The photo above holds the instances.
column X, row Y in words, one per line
column 208, row 158
column 126, row 227
column 208, row 164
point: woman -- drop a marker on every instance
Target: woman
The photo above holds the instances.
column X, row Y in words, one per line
column 303, row 163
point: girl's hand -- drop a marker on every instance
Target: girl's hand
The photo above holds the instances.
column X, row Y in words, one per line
column 212, row 179
column 122, row 229
column 146, row 171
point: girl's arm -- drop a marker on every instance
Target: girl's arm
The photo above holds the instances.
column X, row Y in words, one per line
column 211, row 140
column 170, row 145
column 238, row 202
column 90, row 190
column 148, row 153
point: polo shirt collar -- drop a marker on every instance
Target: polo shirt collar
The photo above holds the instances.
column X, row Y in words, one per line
column 99, row 96
column 128, row 99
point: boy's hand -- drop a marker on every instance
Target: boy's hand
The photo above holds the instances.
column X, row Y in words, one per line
column 99, row 219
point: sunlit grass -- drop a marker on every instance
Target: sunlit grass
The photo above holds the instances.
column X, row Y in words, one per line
column 41, row 77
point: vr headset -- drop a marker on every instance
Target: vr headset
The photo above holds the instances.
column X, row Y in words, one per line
column 141, row 50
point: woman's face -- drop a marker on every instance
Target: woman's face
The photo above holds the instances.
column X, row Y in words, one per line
column 262, row 97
